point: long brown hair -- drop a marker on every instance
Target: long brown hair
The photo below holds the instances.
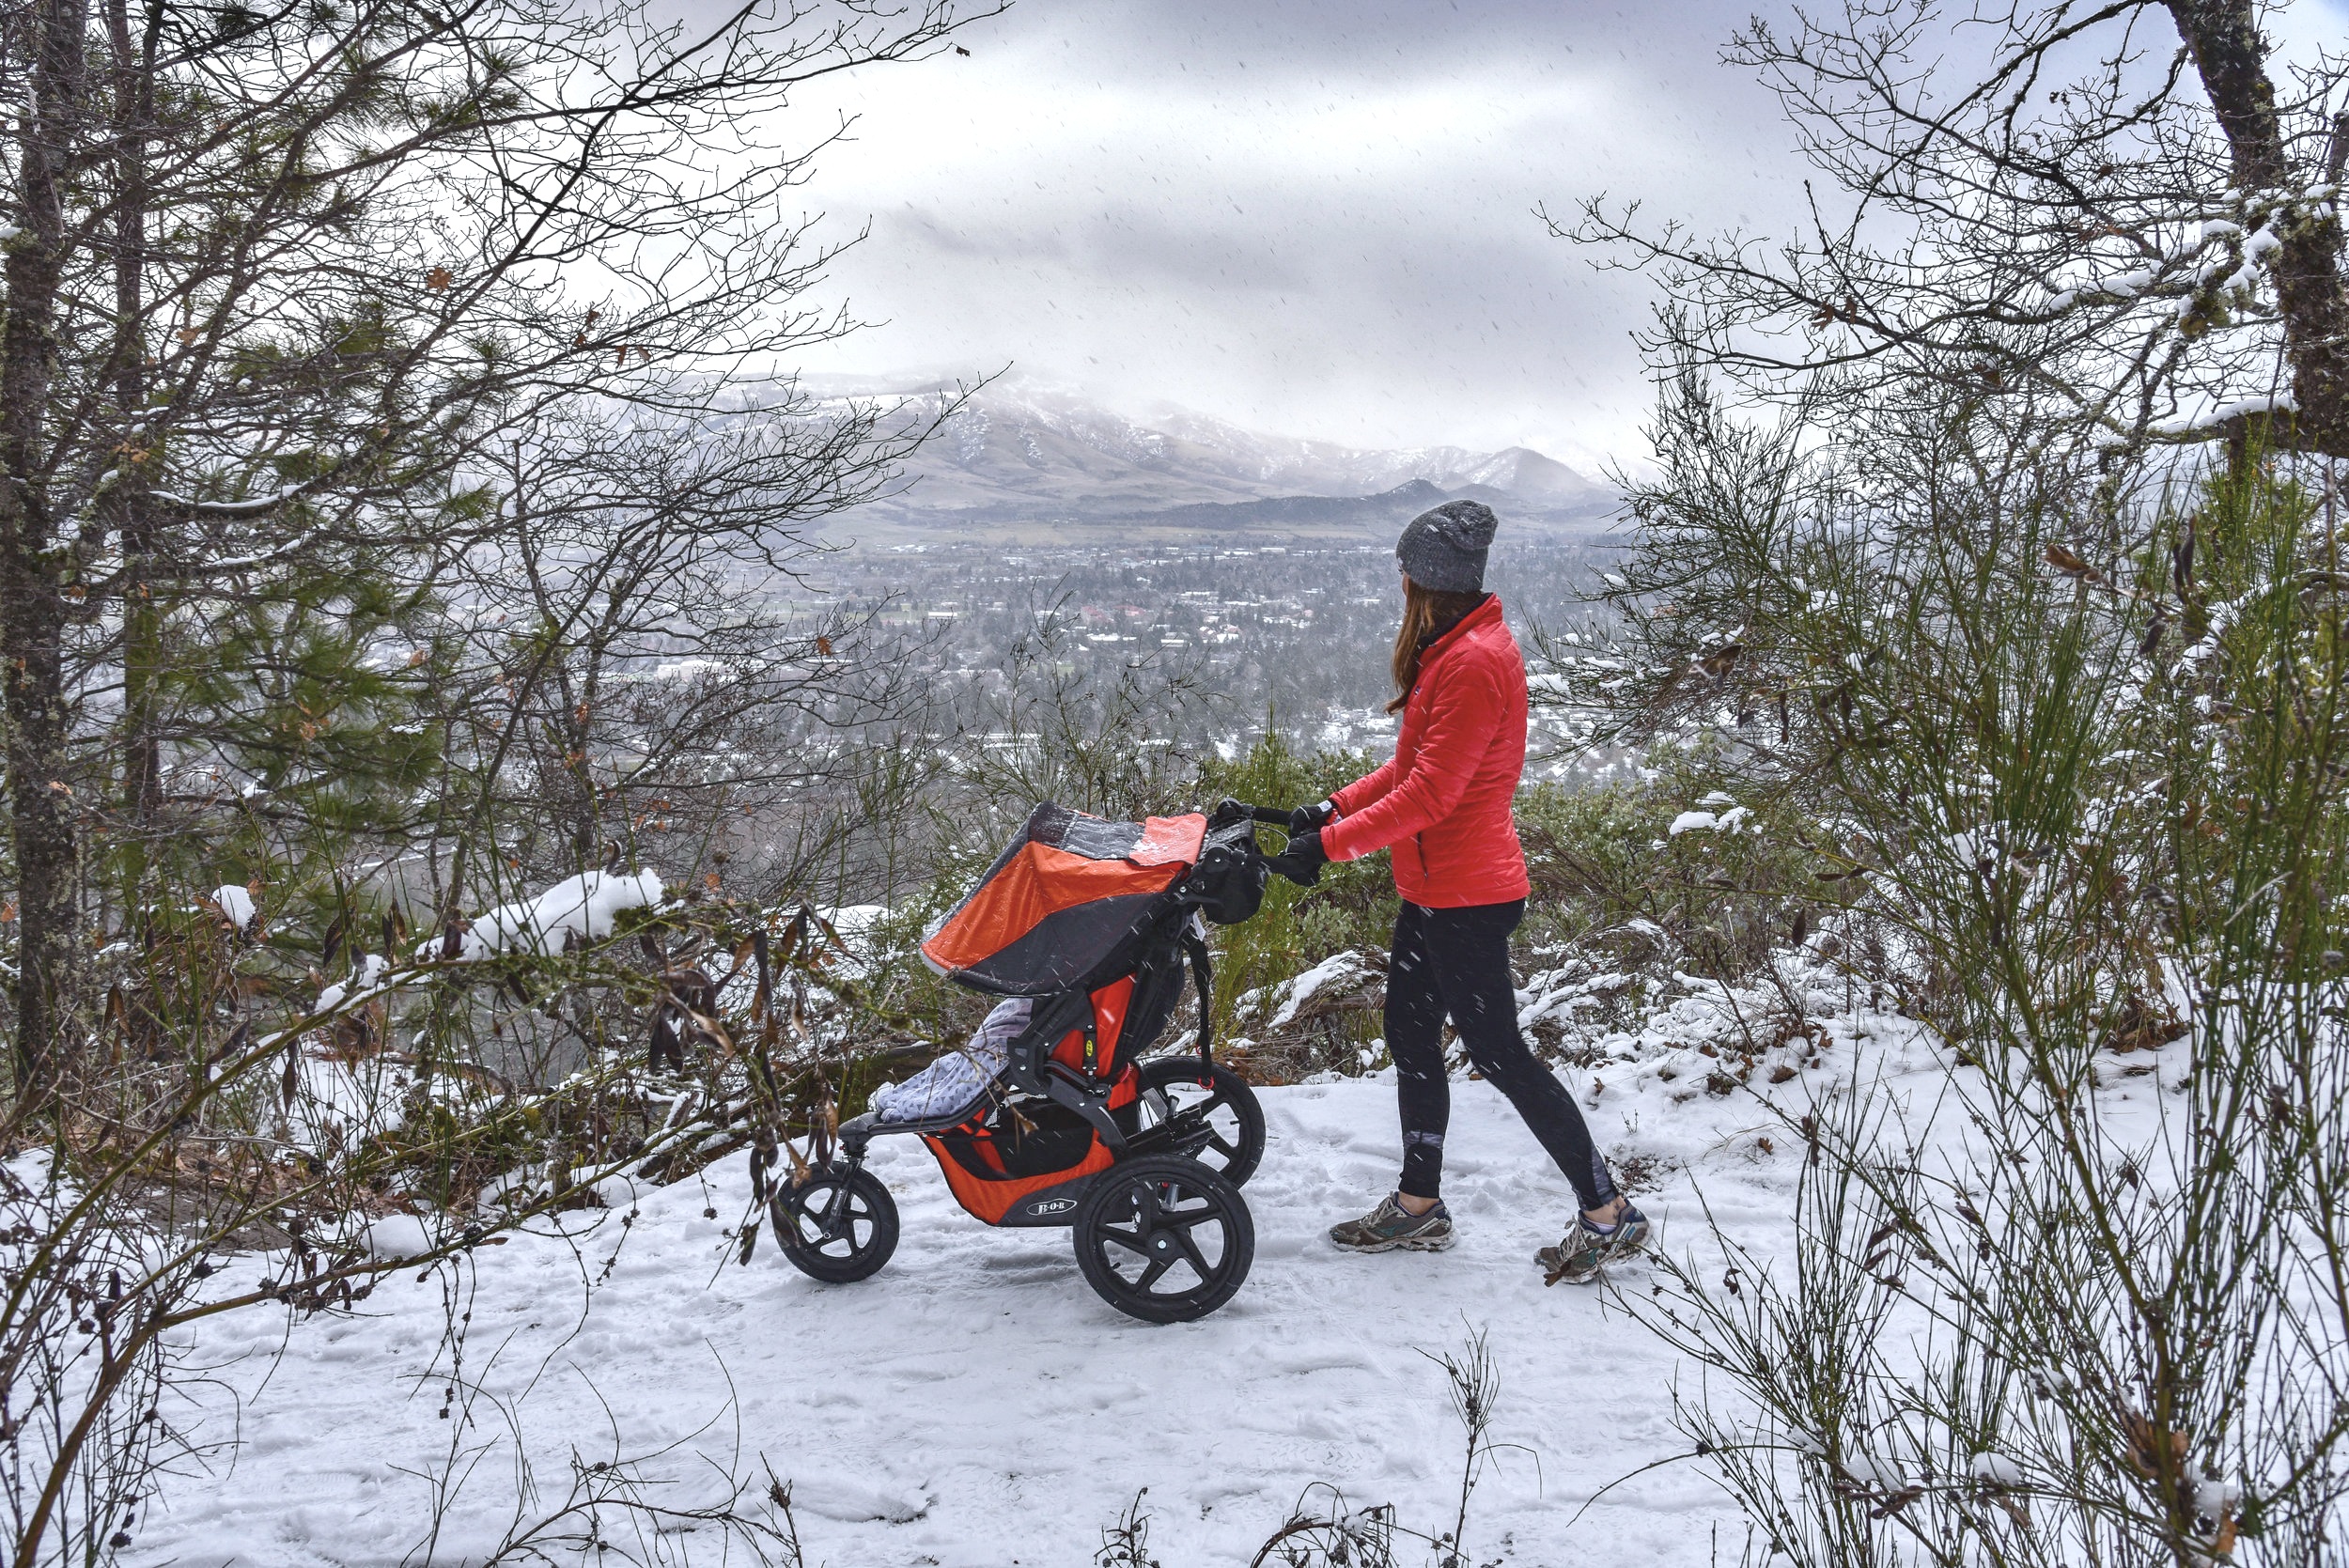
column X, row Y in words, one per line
column 1427, row 615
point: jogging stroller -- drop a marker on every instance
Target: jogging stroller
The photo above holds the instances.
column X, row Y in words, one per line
column 1095, row 921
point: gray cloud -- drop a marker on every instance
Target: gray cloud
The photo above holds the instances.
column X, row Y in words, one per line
column 1314, row 217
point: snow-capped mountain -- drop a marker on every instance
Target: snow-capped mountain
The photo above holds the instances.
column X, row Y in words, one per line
column 1024, row 454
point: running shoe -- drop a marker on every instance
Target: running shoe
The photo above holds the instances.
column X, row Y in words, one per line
column 1388, row 1227
column 1587, row 1248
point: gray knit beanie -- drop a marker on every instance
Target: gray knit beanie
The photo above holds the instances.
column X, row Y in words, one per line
column 1444, row 547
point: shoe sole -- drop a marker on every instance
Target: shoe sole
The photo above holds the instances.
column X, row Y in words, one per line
column 1547, row 1260
column 1555, row 1274
column 1400, row 1244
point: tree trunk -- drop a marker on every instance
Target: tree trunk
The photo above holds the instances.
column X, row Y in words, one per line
column 134, row 93
column 2231, row 59
column 32, row 590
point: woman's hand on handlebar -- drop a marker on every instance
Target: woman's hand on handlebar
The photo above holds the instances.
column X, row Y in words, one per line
column 1303, row 861
column 1313, row 819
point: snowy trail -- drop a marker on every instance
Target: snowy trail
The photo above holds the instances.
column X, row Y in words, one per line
column 975, row 1403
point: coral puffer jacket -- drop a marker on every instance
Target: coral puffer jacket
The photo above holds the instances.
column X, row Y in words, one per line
column 1444, row 804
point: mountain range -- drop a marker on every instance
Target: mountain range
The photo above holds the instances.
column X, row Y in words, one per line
column 1030, row 460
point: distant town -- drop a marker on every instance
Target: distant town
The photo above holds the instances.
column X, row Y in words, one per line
column 1296, row 632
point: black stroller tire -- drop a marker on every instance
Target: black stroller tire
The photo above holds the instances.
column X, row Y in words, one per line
column 1138, row 1223
column 1233, row 1155
column 838, row 1224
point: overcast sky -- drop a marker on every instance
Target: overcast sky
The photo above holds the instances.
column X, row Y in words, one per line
column 1311, row 217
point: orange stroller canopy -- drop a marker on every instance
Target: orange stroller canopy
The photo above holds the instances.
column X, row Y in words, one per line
column 1060, row 899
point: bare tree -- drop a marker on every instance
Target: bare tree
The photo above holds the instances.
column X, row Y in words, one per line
column 331, row 334
column 2061, row 704
column 279, row 281
column 634, row 657
column 2123, row 215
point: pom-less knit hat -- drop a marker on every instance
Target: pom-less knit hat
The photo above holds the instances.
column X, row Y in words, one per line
column 1444, row 547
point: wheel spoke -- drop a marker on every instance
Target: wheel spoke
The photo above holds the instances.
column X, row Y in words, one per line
column 1191, row 1254
column 1182, row 1223
column 1153, row 1274
column 1137, row 1245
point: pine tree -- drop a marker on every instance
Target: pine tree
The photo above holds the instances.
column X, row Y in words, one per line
column 280, row 286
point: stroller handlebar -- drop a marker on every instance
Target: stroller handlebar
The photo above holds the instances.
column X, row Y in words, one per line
column 1271, row 817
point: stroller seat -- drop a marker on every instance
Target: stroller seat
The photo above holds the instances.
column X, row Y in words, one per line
column 958, row 1081
column 1042, row 1097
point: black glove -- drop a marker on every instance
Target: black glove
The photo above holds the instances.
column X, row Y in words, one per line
column 1303, row 861
column 1308, row 819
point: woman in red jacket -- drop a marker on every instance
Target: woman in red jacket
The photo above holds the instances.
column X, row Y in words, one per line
column 1442, row 806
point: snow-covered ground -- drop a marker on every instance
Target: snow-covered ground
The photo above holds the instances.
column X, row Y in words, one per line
column 975, row 1403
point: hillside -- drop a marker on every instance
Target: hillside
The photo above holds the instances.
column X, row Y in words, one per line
column 1024, row 459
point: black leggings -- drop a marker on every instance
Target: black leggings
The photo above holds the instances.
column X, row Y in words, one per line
column 1456, row 962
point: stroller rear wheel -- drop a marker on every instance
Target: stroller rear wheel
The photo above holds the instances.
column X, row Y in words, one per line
column 838, row 1225
column 1165, row 1239
column 1210, row 1103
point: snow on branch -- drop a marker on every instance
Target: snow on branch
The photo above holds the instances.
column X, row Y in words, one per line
column 2227, row 413
column 251, row 506
column 2215, row 420
column 582, row 908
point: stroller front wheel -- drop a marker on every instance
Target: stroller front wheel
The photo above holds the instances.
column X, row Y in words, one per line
column 1165, row 1239
column 838, row 1224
